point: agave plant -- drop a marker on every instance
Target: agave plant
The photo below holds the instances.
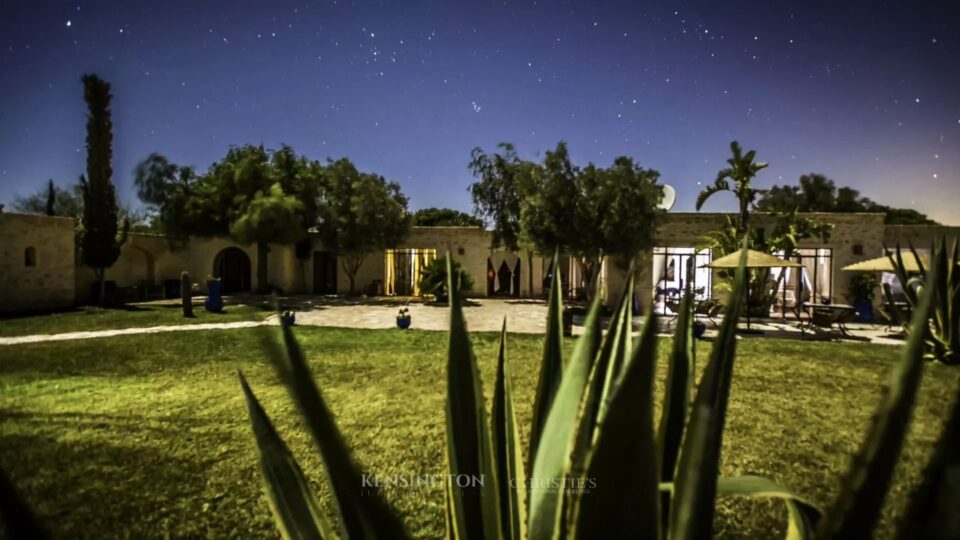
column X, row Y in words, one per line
column 593, row 431
column 941, row 330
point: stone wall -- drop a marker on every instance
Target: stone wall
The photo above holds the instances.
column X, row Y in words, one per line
column 36, row 262
column 921, row 236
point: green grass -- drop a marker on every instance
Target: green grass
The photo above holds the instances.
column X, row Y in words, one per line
column 147, row 435
column 86, row 318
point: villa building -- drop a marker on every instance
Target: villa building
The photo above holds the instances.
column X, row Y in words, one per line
column 40, row 270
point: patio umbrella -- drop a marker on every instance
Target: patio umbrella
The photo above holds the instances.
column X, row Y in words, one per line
column 883, row 264
column 755, row 259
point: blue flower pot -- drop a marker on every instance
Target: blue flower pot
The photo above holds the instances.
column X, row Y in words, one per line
column 214, row 301
column 404, row 322
column 698, row 329
column 864, row 310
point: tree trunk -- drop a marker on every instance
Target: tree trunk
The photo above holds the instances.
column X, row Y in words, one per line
column 530, row 273
column 101, row 274
column 744, row 216
column 263, row 251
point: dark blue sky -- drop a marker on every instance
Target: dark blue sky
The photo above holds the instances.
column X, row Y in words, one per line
column 867, row 93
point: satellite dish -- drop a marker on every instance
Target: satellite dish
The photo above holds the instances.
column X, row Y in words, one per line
column 669, row 197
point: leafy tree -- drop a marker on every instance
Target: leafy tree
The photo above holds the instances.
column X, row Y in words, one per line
column 502, row 185
column 165, row 188
column 741, row 173
column 616, row 214
column 252, row 194
column 67, row 202
column 360, row 213
column 817, row 193
column 271, row 216
column 497, row 194
column 591, row 213
column 99, row 239
column 444, row 217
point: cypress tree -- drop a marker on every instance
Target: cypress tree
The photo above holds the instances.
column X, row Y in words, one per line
column 99, row 243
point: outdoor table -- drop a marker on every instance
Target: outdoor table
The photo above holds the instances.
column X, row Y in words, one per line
column 838, row 314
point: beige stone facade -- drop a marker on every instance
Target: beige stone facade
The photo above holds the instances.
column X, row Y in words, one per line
column 148, row 260
column 36, row 262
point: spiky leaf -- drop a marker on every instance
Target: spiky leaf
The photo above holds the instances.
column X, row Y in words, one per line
column 551, row 462
column 857, row 508
column 294, row 507
column 474, row 506
column 365, row 513
column 621, row 470
column 508, row 454
column 696, row 479
column 551, row 366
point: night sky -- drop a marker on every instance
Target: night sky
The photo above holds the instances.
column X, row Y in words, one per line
column 867, row 93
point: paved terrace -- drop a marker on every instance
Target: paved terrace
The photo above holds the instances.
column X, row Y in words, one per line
column 482, row 315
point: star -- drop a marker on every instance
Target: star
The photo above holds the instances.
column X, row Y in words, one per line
column 69, row 24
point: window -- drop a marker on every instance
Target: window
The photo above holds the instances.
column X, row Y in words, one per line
column 673, row 267
column 30, row 257
column 403, row 270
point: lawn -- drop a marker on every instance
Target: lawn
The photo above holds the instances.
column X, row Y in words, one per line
column 86, row 318
column 147, row 435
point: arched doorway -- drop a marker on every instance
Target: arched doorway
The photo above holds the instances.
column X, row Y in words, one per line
column 502, row 280
column 232, row 266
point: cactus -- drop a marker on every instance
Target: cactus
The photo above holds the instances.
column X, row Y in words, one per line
column 186, row 295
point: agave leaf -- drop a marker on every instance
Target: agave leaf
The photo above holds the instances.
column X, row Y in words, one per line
column 294, row 507
column 621, row 470
column 857, row 507
column 620, row 338
column 551, row 367
column 932, row 511
column 469, row 447
column 692, row 509
column 509, row 456
column 802, row 514
column 676, row 399
column 552, row 459
column 365, row 513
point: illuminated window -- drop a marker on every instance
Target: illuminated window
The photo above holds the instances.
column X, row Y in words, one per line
column 403, row 270
column 30, row 257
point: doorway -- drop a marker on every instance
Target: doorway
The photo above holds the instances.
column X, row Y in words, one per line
column 324, row 272
column 232, row 266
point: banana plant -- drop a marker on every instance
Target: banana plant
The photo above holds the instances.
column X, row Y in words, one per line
column 941, row 330
column 599, row 464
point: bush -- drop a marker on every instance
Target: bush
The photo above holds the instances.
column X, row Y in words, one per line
column 433, row 278
column 863, row 287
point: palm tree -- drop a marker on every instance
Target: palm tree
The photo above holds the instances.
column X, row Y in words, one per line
column 741, row 171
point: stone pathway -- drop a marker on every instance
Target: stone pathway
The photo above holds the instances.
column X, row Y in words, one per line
column 38, row 338
column 482, row 315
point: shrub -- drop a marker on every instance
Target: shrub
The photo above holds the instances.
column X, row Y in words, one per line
column 594, row 421
column 863, row 286
column 433, row 278
column 940, row 331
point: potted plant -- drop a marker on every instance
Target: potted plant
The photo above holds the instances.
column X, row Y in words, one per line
column 403, row 318
column 863, row 289
column 288, row 317
column 214, row 301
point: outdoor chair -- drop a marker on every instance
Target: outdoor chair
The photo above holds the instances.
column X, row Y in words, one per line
column 710, row 310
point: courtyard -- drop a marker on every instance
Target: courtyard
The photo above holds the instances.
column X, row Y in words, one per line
column 153, row 425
